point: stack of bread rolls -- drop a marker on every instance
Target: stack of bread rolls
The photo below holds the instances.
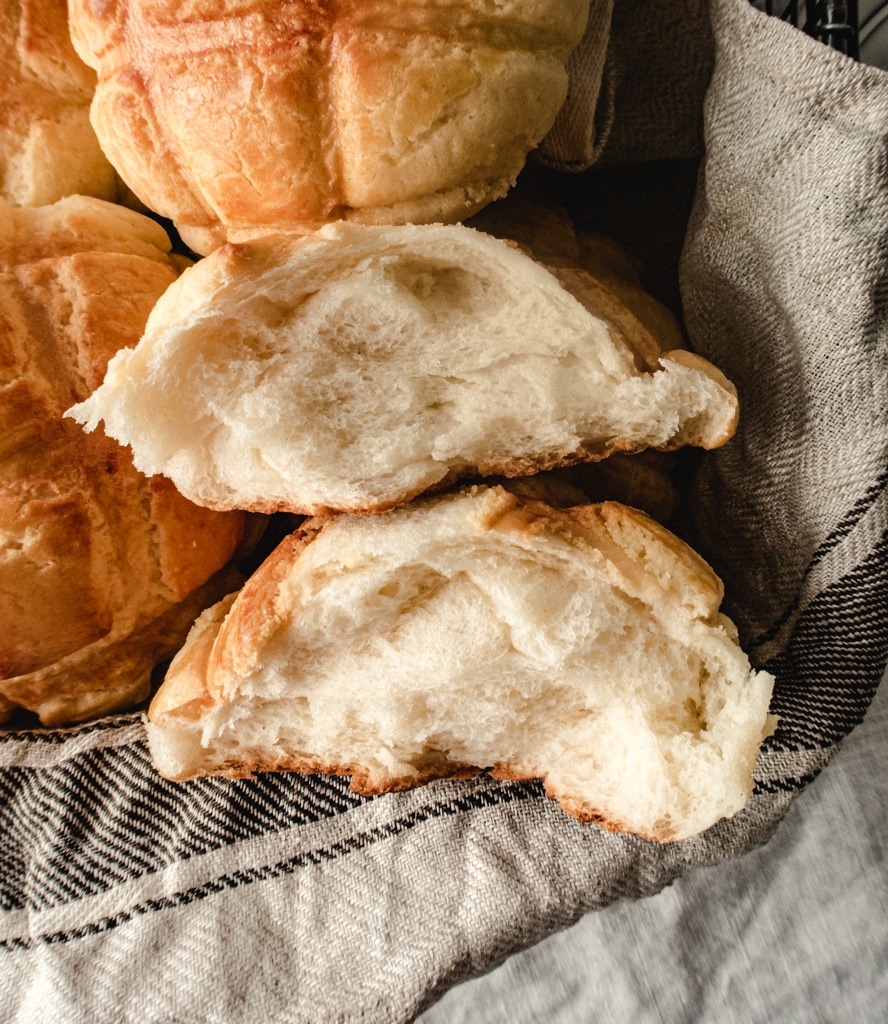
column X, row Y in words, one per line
column 434, row 395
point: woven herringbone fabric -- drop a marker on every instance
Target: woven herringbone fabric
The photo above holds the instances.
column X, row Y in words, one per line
column 784, row 287
column 637, row 86
column 280, row 899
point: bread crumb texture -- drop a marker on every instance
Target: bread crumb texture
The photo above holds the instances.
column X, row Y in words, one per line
column 479, row 631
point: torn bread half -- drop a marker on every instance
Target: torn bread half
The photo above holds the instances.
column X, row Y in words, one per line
column 472, row 631
column 357, row 368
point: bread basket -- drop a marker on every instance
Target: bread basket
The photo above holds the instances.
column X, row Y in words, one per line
column 745, row 167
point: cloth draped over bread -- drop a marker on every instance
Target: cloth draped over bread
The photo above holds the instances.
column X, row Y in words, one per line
column 351, row 908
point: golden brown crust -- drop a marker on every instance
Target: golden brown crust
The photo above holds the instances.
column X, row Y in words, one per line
column 195, row 683
column 47, row 147
column 296, row 115
column 255, row 619
column 97, row 558
column 76, row 225
column 114, row 672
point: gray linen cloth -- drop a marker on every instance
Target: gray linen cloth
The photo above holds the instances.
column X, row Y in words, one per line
column 282, row 899
column 794, row 932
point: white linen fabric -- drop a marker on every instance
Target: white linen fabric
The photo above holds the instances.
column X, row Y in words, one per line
column 282, row 899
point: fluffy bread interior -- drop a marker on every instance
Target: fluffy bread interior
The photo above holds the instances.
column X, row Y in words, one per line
column 479, row 631
column 358, row 368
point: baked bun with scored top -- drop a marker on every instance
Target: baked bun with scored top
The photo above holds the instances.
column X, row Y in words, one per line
column 48, row 148
column 356, row 368
column 102, row 570
column 472, row 631
column 238, row 117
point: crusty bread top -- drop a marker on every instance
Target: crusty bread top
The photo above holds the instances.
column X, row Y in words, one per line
column 471, row 631
column 236, row 117
column 48, row 148
column 358, row 367
column 81, row 224
column 97, row 562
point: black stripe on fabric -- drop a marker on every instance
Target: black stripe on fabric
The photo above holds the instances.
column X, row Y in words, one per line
column 787, row 614
column 505, row 793
column 788, row 784
column 851, row 518
column 828, row 673
column 105, row 816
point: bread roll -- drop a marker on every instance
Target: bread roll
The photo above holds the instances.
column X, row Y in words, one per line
column 647, row 481
column 473, row 631
column 547, row 231
column 237, row 118
column 354, row 369
column 102, row 571
column 48, row 148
